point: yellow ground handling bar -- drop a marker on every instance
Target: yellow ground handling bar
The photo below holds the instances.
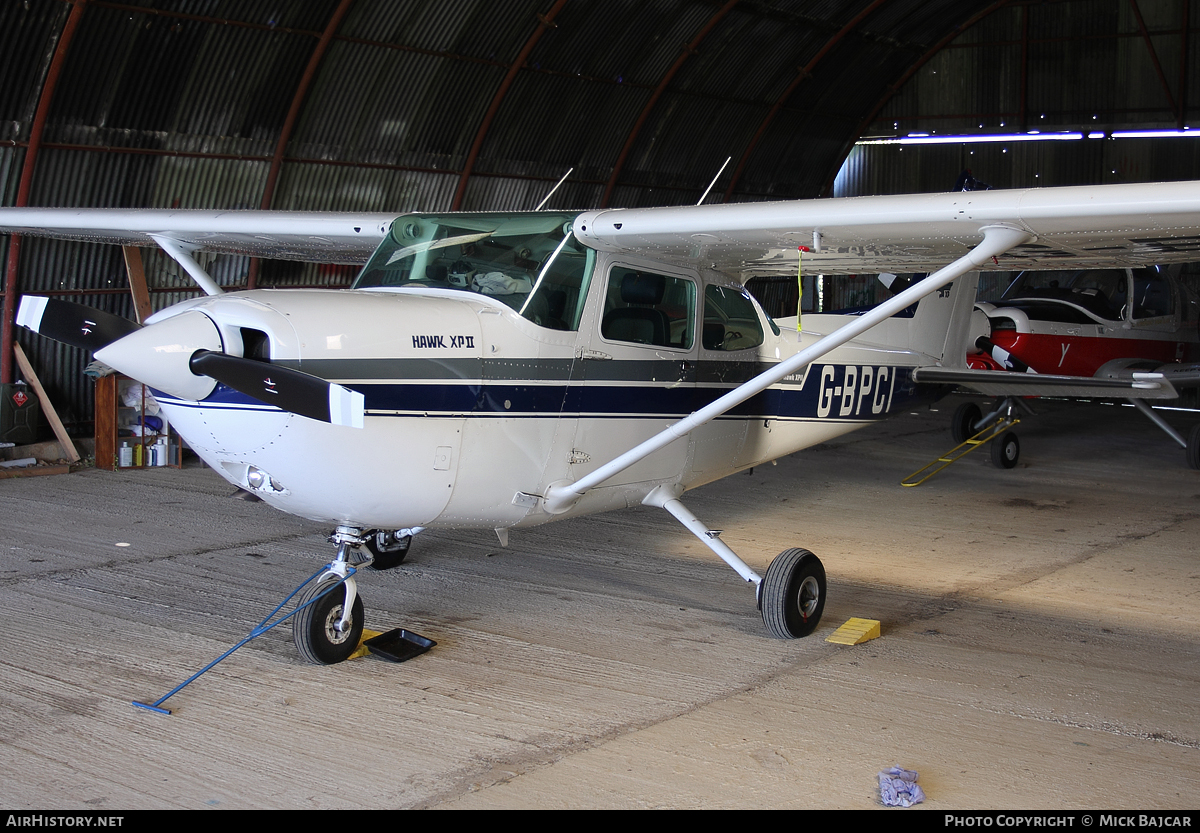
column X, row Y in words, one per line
column 989, row 433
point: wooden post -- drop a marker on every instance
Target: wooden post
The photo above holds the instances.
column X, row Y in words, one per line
column 47, row 408
column 137, row 283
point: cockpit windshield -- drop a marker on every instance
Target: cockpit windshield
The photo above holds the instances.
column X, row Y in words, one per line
column 531, row 262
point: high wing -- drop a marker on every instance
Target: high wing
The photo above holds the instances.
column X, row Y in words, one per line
column 285, row 235
column 1078, row 227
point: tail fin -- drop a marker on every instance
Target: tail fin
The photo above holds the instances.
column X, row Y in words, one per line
column 941, row 324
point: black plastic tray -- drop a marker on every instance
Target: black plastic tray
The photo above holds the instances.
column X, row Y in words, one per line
column 399, row 645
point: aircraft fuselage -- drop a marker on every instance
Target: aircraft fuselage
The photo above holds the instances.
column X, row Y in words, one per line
column 450, row 376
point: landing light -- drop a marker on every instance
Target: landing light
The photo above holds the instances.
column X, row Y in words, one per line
column 260, row 481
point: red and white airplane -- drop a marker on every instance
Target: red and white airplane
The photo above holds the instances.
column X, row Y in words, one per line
column 1099, row 323
column 1090, row 322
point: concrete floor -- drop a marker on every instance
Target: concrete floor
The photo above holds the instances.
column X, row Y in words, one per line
column 1040, row 643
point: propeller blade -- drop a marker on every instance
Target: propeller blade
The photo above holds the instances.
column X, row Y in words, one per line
column 289, row 390
column 1002, row 357
column 74, row 324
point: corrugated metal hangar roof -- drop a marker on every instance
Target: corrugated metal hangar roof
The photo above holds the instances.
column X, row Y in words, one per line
column 379, row 105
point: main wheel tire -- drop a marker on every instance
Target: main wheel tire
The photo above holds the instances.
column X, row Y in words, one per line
column 1193, row 447
column 387, row 551
column 313, row 628
column 1006, row 451
column 793, row 594
column 962, row 425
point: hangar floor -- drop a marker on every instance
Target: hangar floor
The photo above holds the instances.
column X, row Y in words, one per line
column 1040, row 647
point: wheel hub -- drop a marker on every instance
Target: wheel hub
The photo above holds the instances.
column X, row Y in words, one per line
column 808, row 596
column 332, row 632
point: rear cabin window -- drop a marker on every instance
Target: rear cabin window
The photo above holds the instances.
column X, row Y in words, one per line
column 644, row 307
column 1152, row 294
column 730, row 319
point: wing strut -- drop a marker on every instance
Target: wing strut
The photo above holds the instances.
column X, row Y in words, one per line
column 996, row 241
column 182, row 255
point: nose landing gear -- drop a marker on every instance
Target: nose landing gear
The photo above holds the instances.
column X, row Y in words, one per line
column 322, row 632
column 329, row 628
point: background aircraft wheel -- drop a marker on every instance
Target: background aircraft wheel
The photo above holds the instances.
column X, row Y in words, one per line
column 1006, row 451
column 388, row 550
column 793, row 594
column 1193, row 447
column 962, row 425
column 313, row 631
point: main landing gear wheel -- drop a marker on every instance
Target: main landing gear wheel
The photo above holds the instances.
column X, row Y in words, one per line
column 962, row 425
column 388, row 549
column 1006, row 451
column 1193, row 447
column 792, row 594
column 315, row 629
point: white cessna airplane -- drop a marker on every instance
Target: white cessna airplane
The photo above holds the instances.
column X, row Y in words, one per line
column 503, row 370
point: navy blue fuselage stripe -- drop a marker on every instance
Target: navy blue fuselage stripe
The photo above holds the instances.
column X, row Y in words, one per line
column 815, row 400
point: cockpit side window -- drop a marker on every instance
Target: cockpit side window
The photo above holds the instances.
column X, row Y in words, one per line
column 730, row 319
column 643, row 307
column 1152, row 294
column 1102, row 292
column 530, row 262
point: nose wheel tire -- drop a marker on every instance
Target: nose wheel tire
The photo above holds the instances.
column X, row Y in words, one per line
column 1006, row 451
column 315, row 628
column 792, row 594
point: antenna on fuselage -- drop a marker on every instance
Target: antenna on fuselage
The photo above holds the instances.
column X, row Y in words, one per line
column 714, row 180
column 552, row 190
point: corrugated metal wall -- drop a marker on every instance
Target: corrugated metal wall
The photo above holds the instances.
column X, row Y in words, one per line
column 1086, row 65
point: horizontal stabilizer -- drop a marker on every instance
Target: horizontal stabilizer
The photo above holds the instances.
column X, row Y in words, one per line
column 1003, row 383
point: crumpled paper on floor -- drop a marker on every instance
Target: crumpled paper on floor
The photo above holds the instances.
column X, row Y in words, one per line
column 898, row 788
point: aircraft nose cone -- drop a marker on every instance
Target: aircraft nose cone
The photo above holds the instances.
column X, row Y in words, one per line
column 158, row 354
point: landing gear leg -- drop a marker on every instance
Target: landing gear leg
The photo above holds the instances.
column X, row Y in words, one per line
column 1190, row 446
column 329, row 629
column 389, row 548
column 791, row 597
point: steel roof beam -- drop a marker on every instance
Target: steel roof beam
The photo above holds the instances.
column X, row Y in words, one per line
column 7, row 334
column 895, row 87
column 545, row 22
column 289, row 123
column 687, row 52
column 804, row 74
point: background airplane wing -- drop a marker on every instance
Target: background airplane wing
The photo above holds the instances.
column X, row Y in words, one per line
column 285, row 235
column 1078, row 227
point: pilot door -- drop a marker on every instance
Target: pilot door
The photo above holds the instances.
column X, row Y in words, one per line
column 635, row 371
